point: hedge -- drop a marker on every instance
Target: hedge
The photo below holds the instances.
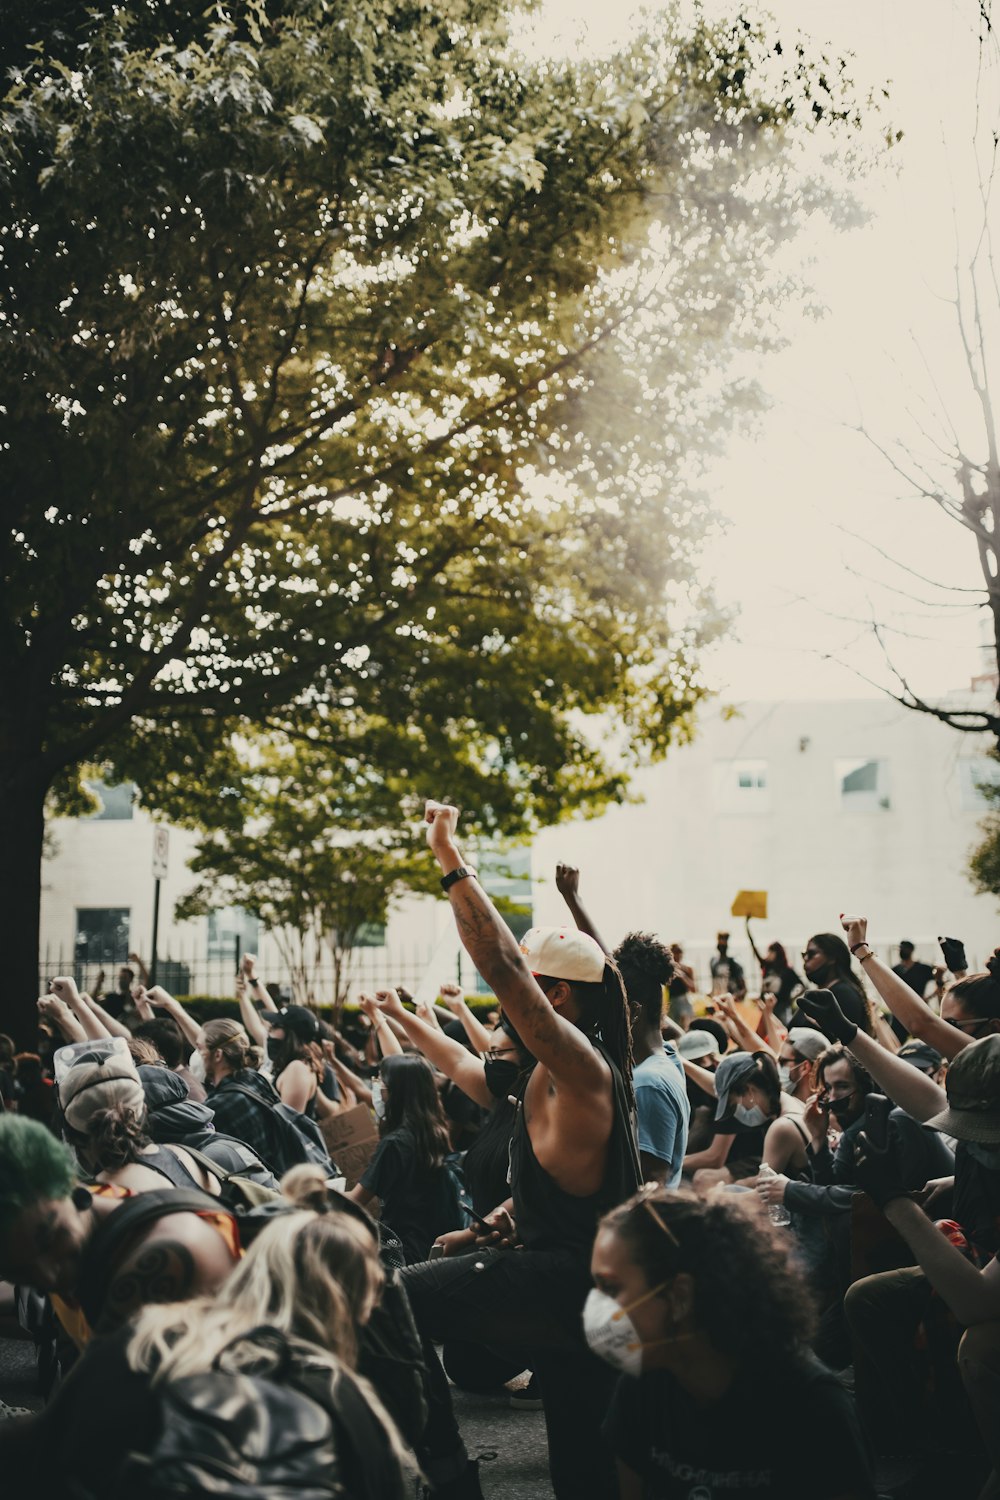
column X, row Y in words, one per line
column 214, row 1007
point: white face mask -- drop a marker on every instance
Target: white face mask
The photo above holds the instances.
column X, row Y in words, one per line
column 785, row 1075
column 378, row 1099
column 750, row 1117
column 610, row 1332
column 196, row 1066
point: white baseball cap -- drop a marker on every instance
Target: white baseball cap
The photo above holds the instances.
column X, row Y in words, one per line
column 564, row 953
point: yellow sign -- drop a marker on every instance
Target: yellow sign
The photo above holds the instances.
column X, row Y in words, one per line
column 750, row 904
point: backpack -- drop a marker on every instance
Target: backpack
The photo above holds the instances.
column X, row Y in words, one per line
column 238, row 1191
column 248, row 1434
column 294, row 1138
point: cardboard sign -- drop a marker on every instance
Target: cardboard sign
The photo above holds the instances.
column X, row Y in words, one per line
column 750, row 904
column 351, row 1138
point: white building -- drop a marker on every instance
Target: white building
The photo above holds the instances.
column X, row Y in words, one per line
column 828, row 806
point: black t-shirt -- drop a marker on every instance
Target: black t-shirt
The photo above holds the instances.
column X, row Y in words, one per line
column 418, row 1203
column 918, row 976
column 730, row 1449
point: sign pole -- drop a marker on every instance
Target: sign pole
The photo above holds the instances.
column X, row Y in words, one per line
column 161, row 851
column 156, row 931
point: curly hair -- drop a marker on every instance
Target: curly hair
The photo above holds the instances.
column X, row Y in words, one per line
column 645, row 965
column 750, row 1300
column 114, row 1138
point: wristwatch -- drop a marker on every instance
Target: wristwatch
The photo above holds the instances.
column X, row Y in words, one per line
column 464, row 872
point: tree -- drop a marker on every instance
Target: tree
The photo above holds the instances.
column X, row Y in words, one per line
column 298, row 309
column 316, row 848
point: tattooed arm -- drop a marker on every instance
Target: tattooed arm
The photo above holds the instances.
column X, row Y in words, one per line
column 180, row 1256
column 491, row 945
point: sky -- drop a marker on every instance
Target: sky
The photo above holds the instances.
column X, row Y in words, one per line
column 806, row 502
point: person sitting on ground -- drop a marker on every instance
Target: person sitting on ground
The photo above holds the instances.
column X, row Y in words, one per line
column 299, row 1066
column 661, row 1100
column 797, row 1059
column 37, row 1097
column 573, row 1155
column 288, row 1315
column 104, row 1119
column 173, row 1119
column 697, row 1343
column 699, row 1051
column 167, row 1038
column 409, row 1174
column 754, row 1122
column 244, row 1101
column 52, row 1237
column 969, row 1287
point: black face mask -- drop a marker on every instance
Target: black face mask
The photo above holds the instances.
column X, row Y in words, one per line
column 274, row 1047
column 502, row 1074
column 818, row 977
column 842, row 1109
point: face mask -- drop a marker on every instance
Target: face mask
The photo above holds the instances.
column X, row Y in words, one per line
column 842, row 1109
column 785, row 1075
column 611, row 1333
column 274, row 1047
column 751, row 1117
column 501, row 1075
column 818, row 977
column 378, row 1100
column 986, row 1156
column 196, row 1067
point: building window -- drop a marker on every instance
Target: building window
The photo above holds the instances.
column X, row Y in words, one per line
column 102, row 934
column 115, row 803
column 741, row 786
column 863, row 785
column 975, row 772
column 231, row 933
column 370, row 935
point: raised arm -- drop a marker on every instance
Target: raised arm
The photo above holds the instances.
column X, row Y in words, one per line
column 448, row 1056
column 110, row 1024
column 190, row 1029
column 384, row 1035
column 568, row 886
column 491, row 945
column 134, row 958
column 480, row 1038
column 258, row 989
column 57, row 1013
column 905, row 1085
column 972, row 1295
column 743, row 1035
column 908, row 1008
column 350, row 1080
column 64, row 988
column 249, row 1015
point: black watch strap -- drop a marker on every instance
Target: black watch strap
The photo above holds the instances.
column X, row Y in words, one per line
column 464, row 872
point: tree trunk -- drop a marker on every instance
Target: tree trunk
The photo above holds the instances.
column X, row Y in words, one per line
column 22, row 831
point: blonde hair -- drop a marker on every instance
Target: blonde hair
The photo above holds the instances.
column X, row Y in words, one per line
column 229, row 1038
column 312, row 1277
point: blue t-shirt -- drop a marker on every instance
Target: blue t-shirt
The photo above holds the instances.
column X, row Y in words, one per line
column 664, row 1112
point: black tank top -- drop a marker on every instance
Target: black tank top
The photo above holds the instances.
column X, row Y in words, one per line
column 547, row 1217
column 169, row 1166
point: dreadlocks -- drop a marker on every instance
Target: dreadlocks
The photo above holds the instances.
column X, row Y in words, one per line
column 605, row 1015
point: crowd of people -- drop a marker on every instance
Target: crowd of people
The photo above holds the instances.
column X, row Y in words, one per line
column 743, row 1243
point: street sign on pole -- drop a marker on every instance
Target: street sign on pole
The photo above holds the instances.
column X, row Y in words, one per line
column 161, row 851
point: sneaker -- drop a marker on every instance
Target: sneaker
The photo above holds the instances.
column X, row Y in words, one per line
column 529, row 1398
column 13, row 1411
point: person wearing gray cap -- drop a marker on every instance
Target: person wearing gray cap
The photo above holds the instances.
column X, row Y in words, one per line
column 797, row 1061
column 698, row 1050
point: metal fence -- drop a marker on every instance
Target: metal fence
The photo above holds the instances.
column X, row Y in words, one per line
column 195, row 974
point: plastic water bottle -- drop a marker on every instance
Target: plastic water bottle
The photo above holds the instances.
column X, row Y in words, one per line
column 777, row 1212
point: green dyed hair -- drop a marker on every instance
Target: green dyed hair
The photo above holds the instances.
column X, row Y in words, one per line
column 33, row 1165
